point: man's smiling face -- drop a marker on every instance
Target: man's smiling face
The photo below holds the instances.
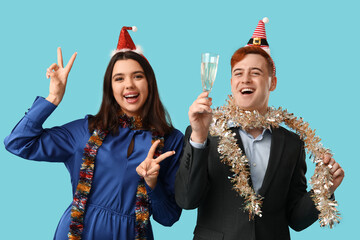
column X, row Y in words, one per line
column 251, row 83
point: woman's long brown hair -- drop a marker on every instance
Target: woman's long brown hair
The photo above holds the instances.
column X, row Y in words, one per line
column 153, row 114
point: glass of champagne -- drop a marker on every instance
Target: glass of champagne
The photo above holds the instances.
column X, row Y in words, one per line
column 209, row 65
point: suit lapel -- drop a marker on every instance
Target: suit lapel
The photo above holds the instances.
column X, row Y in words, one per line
column 277, row 145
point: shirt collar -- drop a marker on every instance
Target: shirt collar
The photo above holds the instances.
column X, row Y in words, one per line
column 264, row 130
column 261, row 136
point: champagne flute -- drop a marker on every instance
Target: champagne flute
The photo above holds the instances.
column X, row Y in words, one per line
column 209, row 64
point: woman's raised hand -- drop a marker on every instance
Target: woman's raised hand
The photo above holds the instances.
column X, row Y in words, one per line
column 149, row 168
column 58, row 77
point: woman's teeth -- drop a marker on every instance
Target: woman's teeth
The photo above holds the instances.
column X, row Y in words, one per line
column 132, row 96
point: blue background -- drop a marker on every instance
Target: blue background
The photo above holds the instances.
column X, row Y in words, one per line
column 315, row 46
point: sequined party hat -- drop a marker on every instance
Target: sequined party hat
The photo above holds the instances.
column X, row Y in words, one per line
column 126, row 43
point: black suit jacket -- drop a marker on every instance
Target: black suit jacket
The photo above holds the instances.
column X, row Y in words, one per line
column 202, row 182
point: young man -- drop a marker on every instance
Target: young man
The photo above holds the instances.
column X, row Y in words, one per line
column 276, row 158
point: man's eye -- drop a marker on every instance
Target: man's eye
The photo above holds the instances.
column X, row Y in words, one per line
column 256, row 73
column 238, row 74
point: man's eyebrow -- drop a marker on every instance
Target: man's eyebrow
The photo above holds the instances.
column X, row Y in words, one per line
column 256, row 68
column 238, row 69
column 253, row 68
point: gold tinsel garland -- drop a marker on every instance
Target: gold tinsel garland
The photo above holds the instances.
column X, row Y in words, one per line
column 230, row 115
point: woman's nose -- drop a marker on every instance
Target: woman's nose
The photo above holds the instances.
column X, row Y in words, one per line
column 129, row 83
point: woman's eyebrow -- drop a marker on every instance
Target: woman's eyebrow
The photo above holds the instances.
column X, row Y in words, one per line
column 117, row 74
column 121, row 74
column 138, row 72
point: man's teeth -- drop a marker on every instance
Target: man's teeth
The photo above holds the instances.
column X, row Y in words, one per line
column 247, row 90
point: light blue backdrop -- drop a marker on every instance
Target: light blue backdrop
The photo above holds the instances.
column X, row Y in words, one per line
column 315, row 45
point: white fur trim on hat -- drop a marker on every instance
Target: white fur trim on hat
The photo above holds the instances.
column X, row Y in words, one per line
column 137, row 50
column 267, row 50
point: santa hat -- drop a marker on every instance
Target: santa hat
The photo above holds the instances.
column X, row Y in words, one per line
column 259, row 38
column 125, row 42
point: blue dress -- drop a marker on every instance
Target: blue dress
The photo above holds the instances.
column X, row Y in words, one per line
column 110, row 212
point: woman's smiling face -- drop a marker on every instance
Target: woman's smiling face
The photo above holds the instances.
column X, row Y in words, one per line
column 130, row 86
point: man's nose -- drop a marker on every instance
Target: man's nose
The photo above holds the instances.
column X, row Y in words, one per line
column 246, row 78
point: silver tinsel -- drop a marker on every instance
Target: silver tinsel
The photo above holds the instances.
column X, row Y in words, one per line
column 230, row 115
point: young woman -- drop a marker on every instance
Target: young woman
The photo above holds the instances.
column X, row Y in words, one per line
column 122, row 161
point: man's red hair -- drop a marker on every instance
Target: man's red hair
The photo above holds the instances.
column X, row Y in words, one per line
column 242, row 52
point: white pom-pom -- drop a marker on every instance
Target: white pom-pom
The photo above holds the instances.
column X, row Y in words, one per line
column 265, row 20
column 134, row 28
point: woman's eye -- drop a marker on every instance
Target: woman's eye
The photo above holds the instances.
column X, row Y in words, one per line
column 119, row 79
column 139, row 76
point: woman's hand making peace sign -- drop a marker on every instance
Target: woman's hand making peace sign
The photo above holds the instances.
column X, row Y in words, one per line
column 149, row 168
column 58, row 77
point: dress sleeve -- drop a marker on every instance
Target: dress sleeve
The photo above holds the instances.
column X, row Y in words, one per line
column 301, row 209
column 162, row 198
column 30, row 141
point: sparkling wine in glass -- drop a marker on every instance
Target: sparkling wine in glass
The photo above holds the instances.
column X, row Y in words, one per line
column 209, row 64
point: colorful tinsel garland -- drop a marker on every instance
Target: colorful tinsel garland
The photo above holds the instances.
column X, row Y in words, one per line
column 84, row 185
column 230, row 115
column 142, row 213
